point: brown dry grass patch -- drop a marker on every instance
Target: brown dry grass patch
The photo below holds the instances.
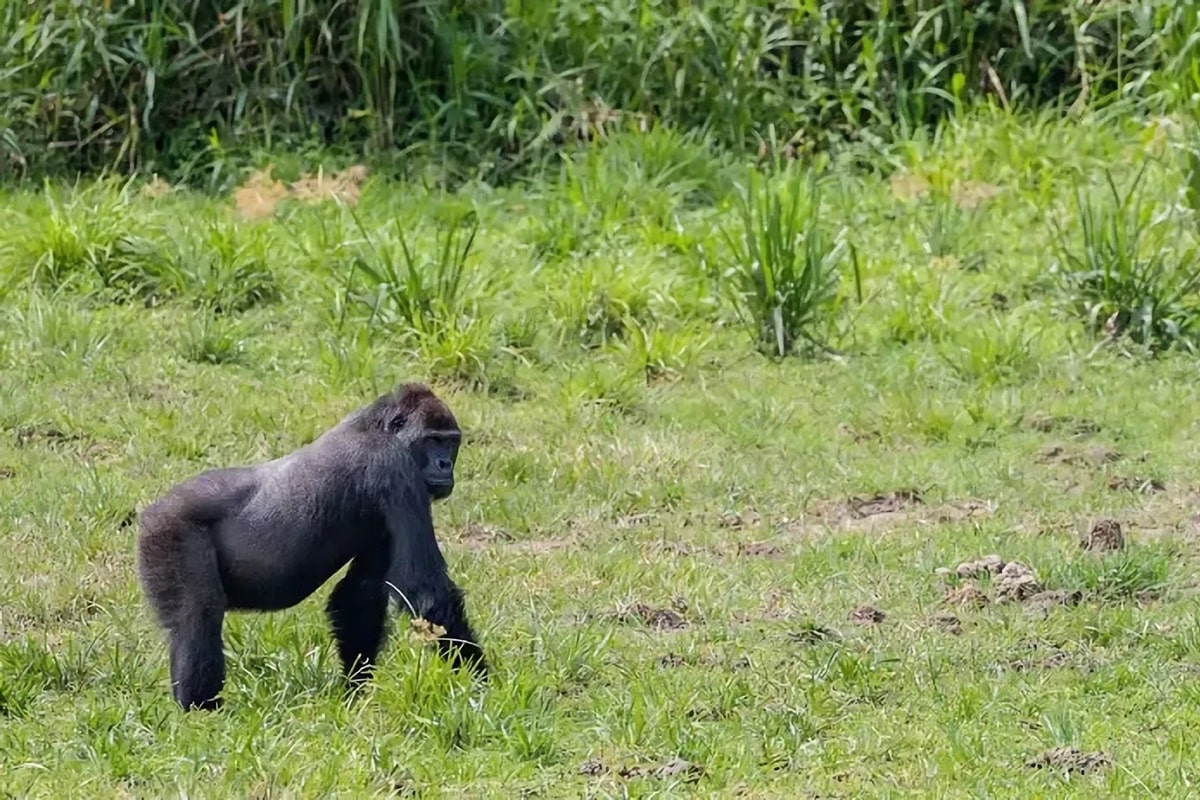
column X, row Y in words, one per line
column 262, row 193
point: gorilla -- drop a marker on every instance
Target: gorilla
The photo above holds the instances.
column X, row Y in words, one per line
column 266, row 536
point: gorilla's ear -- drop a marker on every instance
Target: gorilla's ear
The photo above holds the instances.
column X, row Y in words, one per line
column 396, row 422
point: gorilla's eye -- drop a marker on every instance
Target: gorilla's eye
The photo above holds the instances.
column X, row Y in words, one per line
column 396, row 422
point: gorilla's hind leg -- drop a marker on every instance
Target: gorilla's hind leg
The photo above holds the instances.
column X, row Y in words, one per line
column 198, row 661
column 357, row 613
column 183, row 584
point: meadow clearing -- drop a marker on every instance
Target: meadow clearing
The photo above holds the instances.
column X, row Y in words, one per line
column 826, row 371
column 696, row 567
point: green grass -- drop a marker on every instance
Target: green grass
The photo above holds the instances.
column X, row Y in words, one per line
column 630, row 451
column 189, row 90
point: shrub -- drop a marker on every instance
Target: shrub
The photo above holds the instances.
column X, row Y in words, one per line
column 174, row 86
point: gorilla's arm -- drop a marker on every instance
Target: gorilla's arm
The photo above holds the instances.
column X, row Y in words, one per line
column 418, row 575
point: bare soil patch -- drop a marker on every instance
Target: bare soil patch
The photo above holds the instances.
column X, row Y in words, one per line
column 678, row 549
column 1070, row 759
column 1043, row 603
column 663, row 619
column 740, row 519
column 890, row 510
column 1041, row 655
column 945, row 621
column 631, row 521
column 45, row 435
column 476, row 536
column 671, row 768
column 51, row 437
column 850, row 432
column 758, row 550
column 1074, row 426
column 735, row 550
column 481, row 537
column 1092, row 456
column 866, row 615
column 538, row 546
column 1118, row 483
column 156, row 188
column 887, row 503
column 772, row 609
column 1165, row 513
column 814, row 634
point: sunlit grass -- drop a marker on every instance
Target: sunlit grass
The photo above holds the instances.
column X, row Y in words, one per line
column 669, row 539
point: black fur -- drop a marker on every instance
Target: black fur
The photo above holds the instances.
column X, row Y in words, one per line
column 265, row 537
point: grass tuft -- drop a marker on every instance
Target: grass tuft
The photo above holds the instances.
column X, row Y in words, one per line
column 1132, row 273
column 786, row 268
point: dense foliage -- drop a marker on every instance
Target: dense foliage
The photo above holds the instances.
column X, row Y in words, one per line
column 181, row 86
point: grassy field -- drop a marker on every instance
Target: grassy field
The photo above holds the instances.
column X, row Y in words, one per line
column 696, row 567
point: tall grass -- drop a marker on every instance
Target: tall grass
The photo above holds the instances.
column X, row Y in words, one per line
column 1132, row 272
column 181, row 87
column 786, row 268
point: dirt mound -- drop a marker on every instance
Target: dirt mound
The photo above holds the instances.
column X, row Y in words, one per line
column 1013, row 582
column 1016, row 583
column 966, row 594
column 988, row 565
column 1104, row 537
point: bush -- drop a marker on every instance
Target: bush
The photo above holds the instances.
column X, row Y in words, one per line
column 176, row 86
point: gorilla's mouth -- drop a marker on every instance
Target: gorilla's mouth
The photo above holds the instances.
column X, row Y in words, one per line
column 439, row 488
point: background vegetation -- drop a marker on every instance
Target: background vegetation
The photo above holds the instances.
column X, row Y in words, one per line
column 765, row 324
column 182, row 86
